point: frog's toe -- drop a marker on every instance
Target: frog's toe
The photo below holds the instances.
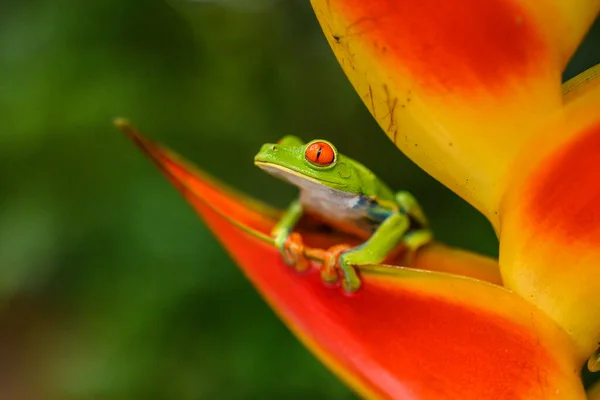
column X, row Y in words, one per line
column 329, row 270
column 351, row 285
column 351, row 282
column 293, row 252
column 329, row 275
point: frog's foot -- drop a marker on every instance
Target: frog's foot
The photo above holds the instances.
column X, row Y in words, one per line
column 293, row 252
column 329, row 272
column 414, row 241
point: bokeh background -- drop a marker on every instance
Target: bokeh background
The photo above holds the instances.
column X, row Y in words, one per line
column 110, row 287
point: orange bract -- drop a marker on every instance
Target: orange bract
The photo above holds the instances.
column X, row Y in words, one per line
column 409, row 333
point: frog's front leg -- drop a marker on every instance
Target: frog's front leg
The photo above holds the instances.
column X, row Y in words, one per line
column 373, row 251
column 290, row 244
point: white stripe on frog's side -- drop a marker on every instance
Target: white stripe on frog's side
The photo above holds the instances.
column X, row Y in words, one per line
column 331, row 204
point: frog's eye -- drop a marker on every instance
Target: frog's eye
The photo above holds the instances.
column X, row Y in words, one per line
column 320, row 153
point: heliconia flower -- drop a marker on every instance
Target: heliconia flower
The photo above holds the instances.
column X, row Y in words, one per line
column 471, row 91
column 444, row 328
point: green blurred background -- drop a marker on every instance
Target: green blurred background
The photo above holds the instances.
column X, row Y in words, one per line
column 111, row 287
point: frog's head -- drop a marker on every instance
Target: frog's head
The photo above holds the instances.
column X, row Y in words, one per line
column 304, row 165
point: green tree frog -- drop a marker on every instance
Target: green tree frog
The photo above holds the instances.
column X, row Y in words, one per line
column 346, row 195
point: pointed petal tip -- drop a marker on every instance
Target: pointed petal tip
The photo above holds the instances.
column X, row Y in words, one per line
column 125, row 126
column 121, row 122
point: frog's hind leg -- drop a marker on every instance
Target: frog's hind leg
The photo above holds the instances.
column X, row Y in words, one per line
column 417, row 238
column 414, row 240
column 410, row 206
column 376, row 249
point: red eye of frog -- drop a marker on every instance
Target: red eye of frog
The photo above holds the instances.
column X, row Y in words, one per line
column 320, row 153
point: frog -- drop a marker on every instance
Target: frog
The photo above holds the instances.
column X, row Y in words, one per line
column 347, row 196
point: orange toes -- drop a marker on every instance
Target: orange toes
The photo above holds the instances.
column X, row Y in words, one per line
column 329, row 272
column 293, row 252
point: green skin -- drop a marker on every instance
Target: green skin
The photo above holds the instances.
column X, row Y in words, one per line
column 344, row 193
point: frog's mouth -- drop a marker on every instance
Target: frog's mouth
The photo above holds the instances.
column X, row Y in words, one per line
column 294, row 177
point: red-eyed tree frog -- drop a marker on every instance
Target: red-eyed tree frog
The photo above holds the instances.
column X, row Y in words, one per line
column 348, row 196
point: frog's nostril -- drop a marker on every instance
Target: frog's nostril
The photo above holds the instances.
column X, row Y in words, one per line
column 274, row 148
